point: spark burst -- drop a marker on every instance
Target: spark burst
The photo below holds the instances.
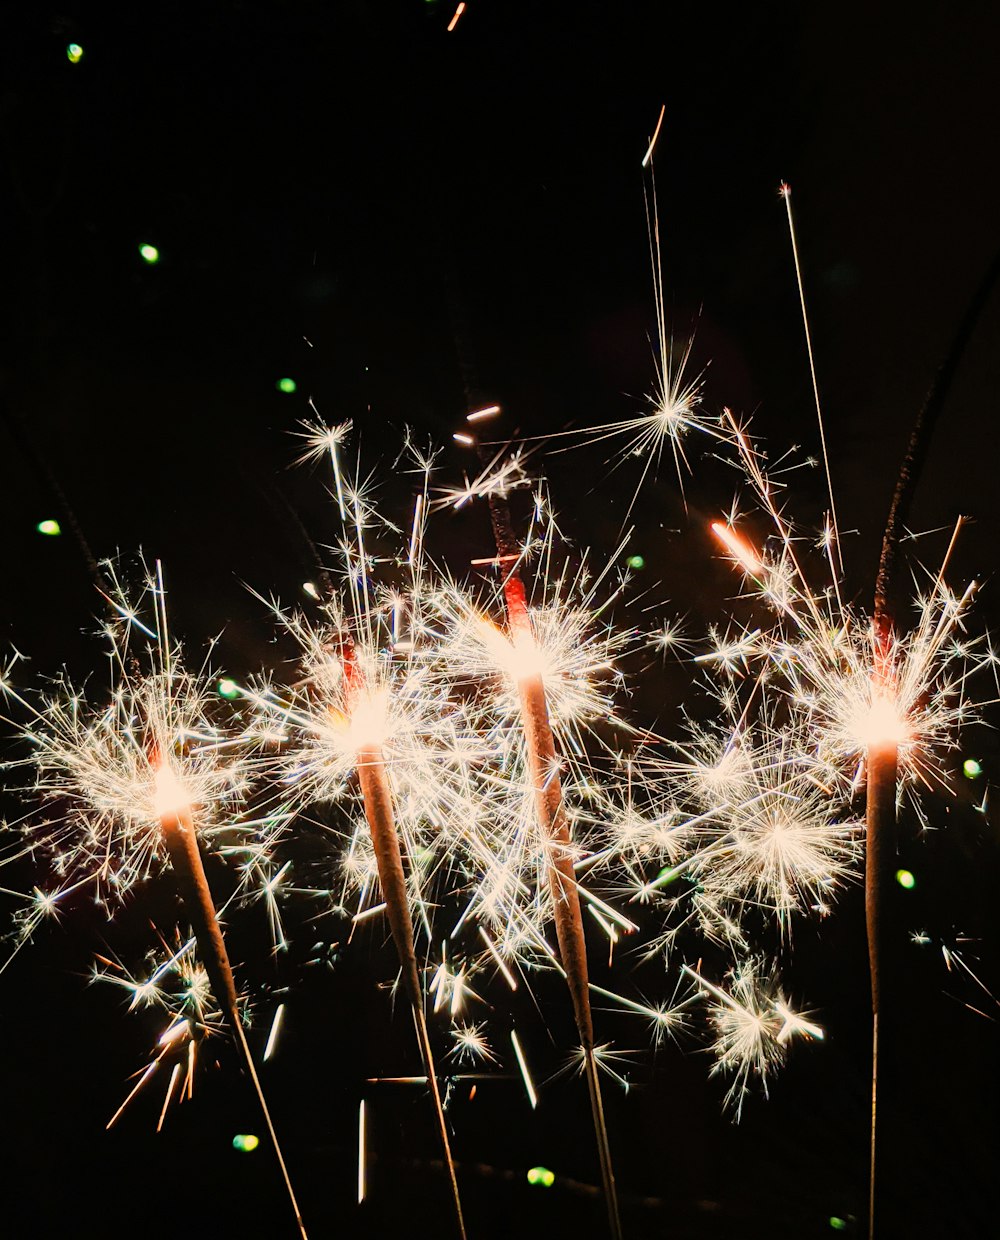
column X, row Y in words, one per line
column 753, row 1025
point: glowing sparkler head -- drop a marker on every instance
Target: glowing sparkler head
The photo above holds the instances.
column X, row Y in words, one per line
column 880, row 723
column 520, row 658
column 170, row 797
column 150, row 750
column 368, row 725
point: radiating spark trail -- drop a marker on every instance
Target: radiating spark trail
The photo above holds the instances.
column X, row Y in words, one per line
column 362, row 1153
column 175, row 1072
column 786, row 193
column 139, row 1084
column 272, row 1037
column 522, row 1063
column 656, row 133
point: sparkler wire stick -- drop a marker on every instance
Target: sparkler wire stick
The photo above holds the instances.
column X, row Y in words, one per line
column 880, row 809
column 543, row 766
column 177, row 826
column 376, row 793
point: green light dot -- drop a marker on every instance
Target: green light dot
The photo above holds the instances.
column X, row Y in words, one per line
column 541, row 1176
column 288, row 386
column 149, row 253
column 74, row 53
column 838, row 1224
column 228, row 688
column 906, row 879
column 245, row 1142
column 49, row 527
column 636, row 561
column 971, row 768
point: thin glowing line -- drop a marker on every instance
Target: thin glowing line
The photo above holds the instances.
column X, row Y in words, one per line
column 489, row 412
column 652, row 142
column 142, row 1081
column 509, row 977
column 175, row 1073
column 786, row 193
column 523, row 1065
column 272, row 1037
column 362, row 1169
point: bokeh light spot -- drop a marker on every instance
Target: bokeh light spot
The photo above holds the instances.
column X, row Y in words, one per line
column 541, row 1176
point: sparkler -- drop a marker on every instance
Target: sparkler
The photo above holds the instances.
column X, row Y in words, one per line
column 134, row 774
column 369, row 714
column 883, row 757
column 889, row 703
column 553, row 824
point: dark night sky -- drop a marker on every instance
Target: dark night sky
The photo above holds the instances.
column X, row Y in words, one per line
column 448, row 217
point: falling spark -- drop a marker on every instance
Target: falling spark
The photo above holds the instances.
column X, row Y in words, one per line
column 272, row 1037
column 786, row 193
column 656, row 133
column 362, row 1154
column 481, row 415
column 522, row 1063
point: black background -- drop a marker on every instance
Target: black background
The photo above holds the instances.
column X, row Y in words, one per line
column 406, row 221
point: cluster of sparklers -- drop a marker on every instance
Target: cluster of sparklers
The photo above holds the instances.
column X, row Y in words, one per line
column 485, row 795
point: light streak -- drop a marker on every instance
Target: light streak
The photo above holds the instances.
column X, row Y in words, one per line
column 522, row 1063
column 175, row 1072
column 786, row 193
column 656, row 133
column 458, row 13
column 138, row 1085
column 501, row 964
column 362, row 1153
column 272, row 1037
